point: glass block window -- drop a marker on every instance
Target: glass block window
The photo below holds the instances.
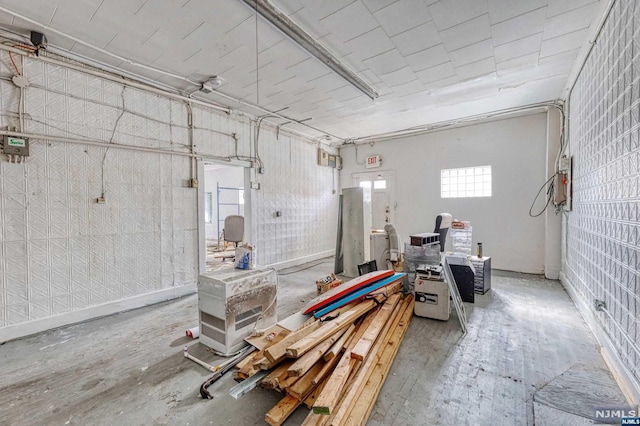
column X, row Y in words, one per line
column 466, row 182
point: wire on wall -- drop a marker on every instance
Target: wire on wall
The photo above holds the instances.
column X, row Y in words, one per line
column 355, row 145
column 549, row 184
column 113, row 134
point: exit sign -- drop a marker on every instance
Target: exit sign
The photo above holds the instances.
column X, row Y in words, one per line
column 373, row 161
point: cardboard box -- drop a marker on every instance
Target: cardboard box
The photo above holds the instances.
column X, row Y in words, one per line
column 327, row 283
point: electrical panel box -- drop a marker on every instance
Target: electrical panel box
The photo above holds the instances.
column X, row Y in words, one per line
column 323, row 157
column 15, row 146
column 563, row 180
column 329, row 160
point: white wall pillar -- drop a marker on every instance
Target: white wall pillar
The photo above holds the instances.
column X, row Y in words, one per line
column 553, row 223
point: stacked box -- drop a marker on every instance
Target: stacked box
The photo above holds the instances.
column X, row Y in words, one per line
column 428, row 254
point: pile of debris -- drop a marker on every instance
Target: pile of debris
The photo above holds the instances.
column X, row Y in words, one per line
column 334, row 364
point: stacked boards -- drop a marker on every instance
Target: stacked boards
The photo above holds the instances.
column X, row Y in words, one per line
column 336, row 362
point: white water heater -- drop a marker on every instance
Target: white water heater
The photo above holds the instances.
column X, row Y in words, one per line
column 230, row 303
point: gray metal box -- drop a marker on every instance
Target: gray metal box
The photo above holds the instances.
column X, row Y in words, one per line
column 15, row 146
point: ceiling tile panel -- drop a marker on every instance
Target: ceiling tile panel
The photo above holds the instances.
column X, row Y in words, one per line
column 409, row 88
column 375, row 5
column 473, row 53
column 521, row 26
column 322, row 9
column 401, row 76
column 402, row 15
column 386, row 63
column 445, row 82
column 309, row 69
column 517, row 48
column 564, row 43
column 328, row 82
column 181, row 23
column 569, row 22
column 467, row 33
column 527, row 61
column 436, row 73
column 75, row 20
column 428, row 58
column 350, row 22
column 561, row 60
column 417, row 39
column 221, row 15
column 370, row 44
column 44, row 11
column 502, row 10
column 558, row 7
column 476, row 69
column 449, row 13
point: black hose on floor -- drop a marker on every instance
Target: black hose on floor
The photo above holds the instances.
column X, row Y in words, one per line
column 204, row 393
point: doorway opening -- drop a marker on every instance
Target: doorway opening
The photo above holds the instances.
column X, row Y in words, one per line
column 224, row 206
column 382, row 204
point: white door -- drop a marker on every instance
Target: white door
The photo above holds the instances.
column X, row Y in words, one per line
column 381, row 184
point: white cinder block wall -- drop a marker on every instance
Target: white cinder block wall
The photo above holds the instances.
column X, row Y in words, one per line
column 602, row 233
column 65, row 258
column 515, row 148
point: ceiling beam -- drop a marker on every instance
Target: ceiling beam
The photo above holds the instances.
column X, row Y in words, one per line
column 300, row 36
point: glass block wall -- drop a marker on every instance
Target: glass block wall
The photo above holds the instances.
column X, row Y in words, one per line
column 602, row 233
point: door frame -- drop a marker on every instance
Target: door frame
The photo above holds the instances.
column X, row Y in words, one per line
column 249, row 220
column 390, row 176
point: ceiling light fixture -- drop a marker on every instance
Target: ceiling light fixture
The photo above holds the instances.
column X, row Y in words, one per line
column 212, row 84
column 295, row 32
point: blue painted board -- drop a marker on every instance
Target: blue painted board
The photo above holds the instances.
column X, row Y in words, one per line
column 359, row 294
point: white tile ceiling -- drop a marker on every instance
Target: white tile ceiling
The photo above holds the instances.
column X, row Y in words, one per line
column 429, row 60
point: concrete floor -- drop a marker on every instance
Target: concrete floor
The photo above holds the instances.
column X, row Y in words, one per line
column 129, row 368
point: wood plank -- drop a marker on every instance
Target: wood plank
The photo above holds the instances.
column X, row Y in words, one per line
column 283, row 409
column 278, row 352
column 326, row 369
column 339, row 345
column 273, row 379
column 314, row 419
column 286, row 382
column 263, row 341
column 247, row 367
column 334, row 388
column 305, row 362
column 339, row 311
column 360, row 412
column 364, row 345
column 309, row 400
column 303, row 387
column 351, row 397
column 305, row 344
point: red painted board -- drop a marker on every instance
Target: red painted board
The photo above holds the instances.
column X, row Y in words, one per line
column 345, row 289
column 360, row 294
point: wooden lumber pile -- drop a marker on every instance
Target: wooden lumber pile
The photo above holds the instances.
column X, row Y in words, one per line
column 334, row 365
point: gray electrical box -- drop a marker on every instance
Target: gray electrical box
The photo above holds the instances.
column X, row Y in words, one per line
column 15, row 146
